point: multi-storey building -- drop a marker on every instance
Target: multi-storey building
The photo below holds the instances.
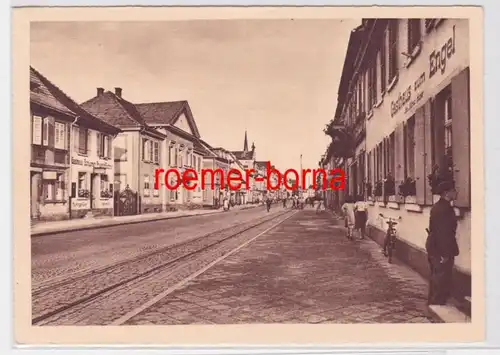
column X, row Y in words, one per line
column 404, row 99
column 71, row 161
column 137, row 153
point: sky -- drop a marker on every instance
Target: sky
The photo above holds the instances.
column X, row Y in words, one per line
column 277, row 79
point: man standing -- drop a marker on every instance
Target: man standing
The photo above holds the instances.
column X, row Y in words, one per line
column 441, row 244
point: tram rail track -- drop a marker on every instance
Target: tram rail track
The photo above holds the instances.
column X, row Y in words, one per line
column 63, row 299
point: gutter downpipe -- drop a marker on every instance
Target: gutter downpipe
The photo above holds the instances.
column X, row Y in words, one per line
column 71, row 147
column 138, row 203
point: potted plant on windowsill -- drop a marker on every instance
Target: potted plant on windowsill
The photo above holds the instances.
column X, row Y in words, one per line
column 441, row 173
column 378, row 191
column 408, row 190
column 389, row 188
column 83, row 193
column 106, row 194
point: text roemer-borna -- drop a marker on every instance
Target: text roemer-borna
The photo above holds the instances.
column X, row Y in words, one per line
column 333, row 179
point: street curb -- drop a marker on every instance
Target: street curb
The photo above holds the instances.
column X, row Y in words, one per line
column 447, row 314
column 116, row 223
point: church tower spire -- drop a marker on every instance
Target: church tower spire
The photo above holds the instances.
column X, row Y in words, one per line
column 245, row 143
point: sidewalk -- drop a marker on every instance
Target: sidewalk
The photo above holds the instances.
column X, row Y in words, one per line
column 303, row 271
column 44, row 228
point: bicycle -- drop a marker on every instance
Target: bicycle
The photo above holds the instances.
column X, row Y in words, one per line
column 390, row 237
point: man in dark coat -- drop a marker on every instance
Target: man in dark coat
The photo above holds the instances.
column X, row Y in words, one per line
column 441, row 244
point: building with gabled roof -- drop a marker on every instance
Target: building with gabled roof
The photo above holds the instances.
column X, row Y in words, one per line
column 71, row 162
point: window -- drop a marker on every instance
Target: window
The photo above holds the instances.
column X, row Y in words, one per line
column 442, row 127
column 176, row 157
column 55, row 190
column 156, row 152
column 383, row 64
column 447, row 127
column 170, row 156
column 392, row 154
column 45, row 133
column 83, row 191
column 81, row 143
column 103, row 146
column 105, row 187
column 199, row 163
column 60, row 136
column 146, row 185
column 393, row 49
column 372, row 86
column 36, row 135
column 409, row 148
column 181, row 159
column 414, row 34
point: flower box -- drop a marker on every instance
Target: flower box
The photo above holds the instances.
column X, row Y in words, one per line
column 392, row 198
column 379, row 198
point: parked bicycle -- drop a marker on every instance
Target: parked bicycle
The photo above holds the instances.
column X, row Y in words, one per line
column 390, row 236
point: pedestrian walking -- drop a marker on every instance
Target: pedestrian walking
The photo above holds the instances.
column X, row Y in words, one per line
column 348, row 210
column 319, row 205
column 441, row 244
column 284, row 202
column 361, row 215
column 269, row 201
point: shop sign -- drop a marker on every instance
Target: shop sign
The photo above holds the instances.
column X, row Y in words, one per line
column 414, row 93
column 49, row 175
column 95, row 164
column 79, row 205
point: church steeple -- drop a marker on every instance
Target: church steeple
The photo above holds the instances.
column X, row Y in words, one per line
column 245, row 143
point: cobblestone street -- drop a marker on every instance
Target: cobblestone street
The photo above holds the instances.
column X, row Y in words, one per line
column 303, row 271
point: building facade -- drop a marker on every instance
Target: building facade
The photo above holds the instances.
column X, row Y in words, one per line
column 71, row 161
column 408, row 88
column 137, row 153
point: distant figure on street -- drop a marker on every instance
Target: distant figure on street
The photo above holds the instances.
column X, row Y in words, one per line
column 361, row 215
column 441, row 244
column 225, row 204
column 269, row 201
column 284, row 202
column 348, row 210
column 311, row 201
column 319, row 204
column 293, row 202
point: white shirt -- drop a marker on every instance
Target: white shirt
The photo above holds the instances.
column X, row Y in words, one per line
column 348, row 212
column 360, row 206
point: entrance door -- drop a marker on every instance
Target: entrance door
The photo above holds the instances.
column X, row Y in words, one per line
column 93, row 190
column 35, row 193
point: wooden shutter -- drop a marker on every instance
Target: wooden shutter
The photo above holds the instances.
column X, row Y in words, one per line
column 461, row 136
column 420, row 176
column 110, row 147
column 99, row 144
column 37, row 130
column 76, row 136
column 428, row 109
column 88, row 148
column 399, row 173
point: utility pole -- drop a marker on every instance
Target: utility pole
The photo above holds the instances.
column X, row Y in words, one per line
column 301, row 176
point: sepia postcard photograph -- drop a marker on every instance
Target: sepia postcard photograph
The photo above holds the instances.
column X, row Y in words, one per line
column 254, row 175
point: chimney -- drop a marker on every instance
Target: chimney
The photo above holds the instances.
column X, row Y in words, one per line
column 118, row 92
column 100, row 91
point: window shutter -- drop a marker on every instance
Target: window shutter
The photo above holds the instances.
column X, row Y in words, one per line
column 99, row 142
column 143, row 149
column 87, row 143
column 420, row 176
column 399, row 173
column 428, row 107
column 37, row 130
column 110, row 147
column 75, row 138
column 461, row 137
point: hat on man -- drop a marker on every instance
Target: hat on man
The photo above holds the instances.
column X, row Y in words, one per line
column 446, row 186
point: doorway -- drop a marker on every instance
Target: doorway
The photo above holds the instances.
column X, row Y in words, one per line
column 93, row 190
column 35, row 194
